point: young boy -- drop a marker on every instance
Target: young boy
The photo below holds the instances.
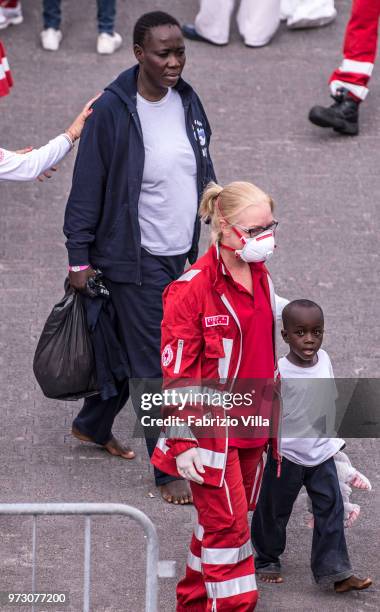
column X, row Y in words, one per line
column 308, row 410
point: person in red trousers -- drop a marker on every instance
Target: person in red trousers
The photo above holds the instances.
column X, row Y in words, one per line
column 6, row 80
column 349, row 82
column 218, row 338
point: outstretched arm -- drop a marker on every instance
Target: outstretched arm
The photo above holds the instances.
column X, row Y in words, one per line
column 27, row 166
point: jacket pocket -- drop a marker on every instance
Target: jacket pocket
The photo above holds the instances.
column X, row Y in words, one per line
column 217, row 347
column 224, row 362
column 213, row 346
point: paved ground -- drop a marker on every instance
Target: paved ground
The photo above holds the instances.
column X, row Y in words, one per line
column 327, row 190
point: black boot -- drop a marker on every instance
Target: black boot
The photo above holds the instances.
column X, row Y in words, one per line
column 342, row 116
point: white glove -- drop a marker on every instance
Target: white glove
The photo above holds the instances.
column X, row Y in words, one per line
column 189, row 464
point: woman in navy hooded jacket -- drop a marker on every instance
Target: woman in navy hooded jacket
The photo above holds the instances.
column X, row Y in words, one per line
column 142, row 165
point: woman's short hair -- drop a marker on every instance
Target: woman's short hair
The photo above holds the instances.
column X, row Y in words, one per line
column 148, row 21
column 229, row 201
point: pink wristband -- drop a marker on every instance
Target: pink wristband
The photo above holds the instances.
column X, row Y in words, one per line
column 78, row 268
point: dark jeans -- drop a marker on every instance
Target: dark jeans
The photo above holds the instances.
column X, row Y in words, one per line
column 139, row 313
column 329, row 556
column 106, row 14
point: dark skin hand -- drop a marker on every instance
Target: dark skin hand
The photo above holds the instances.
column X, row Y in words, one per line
column 78, row 280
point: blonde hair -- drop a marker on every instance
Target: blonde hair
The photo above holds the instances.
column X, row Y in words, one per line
column 228, row 201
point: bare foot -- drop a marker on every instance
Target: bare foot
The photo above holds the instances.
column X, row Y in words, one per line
column 77, row 434
column 352, row 515
column 352, row 584
column 360, row 481
column 271, row 578
column 116, row 448
column 309, row 520
column 113, row 446
column 177, row 492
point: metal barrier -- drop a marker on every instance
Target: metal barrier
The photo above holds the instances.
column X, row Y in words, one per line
column 154, row 568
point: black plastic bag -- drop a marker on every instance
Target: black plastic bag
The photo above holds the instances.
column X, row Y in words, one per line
column 64, row 363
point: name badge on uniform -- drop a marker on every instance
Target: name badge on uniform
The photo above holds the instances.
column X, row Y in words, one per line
column 217, row 320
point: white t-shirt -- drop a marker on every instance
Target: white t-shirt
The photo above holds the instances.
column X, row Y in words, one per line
column 308, row 402
column 28, row 166
column 168, row 201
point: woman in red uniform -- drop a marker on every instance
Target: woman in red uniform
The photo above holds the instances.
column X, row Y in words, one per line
column 218, row 337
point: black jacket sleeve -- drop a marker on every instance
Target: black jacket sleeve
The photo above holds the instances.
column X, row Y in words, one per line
column 85, row 203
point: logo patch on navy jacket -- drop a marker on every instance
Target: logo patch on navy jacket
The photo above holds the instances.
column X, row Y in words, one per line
column 217, row 320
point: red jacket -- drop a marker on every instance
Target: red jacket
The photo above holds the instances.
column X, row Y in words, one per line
column 202, row 345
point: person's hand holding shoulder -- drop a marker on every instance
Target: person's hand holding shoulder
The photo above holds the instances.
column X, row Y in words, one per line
column 75, row 129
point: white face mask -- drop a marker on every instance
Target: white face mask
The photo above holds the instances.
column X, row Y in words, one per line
column 257, row 249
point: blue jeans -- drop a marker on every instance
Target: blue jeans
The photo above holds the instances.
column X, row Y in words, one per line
column 106, row 15
column 329, row 557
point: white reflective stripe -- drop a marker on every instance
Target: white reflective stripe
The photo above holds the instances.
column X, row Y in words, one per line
column 359, row 91
column 187, row 276
column 272, row 297
column 228, row 497
column 229, row 588
column 161, row 444
column 224, row 362
column 178, row 359
column 257, row 481
column 198, row 531
column 357, row 67
column 231, row 310
column 274, row 313
column 225, row 556
column 194, row 562
column 212, row 458
column 2, row 72
column 5, row 64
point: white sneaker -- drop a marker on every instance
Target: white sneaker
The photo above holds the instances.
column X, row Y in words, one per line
column 50, row 39
column 12, row 15
column 108, row 43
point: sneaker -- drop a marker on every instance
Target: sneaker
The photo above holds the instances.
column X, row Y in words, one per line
column 342, row 116
column 12, row 15
column 51, row 39
column 108, row 43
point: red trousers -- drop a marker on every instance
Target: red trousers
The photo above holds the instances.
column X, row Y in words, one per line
column 9, row 3
column 359, row 51
column 6, row 80
column 220, row 572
